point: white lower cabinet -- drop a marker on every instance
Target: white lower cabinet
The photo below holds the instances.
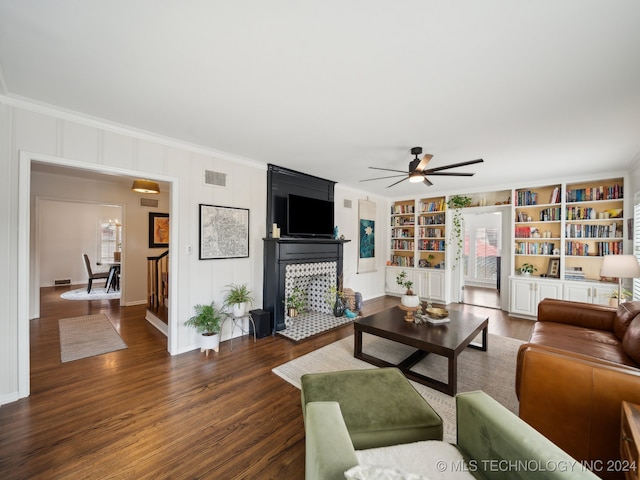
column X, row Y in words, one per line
column 430, row 284
column 526, row 293
column 588, row 293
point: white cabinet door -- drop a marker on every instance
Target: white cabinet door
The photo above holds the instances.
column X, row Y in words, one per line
column 602, row 293
column 575, row 292
column 392, row 284
column 523, row 297
column 429, row 284
column 548, row 290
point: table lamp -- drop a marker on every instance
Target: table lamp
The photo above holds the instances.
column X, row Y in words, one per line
column 620, row 266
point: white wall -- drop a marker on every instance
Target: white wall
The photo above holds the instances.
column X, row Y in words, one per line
column 66, row 230
column 370, row 284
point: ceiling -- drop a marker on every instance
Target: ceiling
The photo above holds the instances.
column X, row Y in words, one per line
column 537, row 89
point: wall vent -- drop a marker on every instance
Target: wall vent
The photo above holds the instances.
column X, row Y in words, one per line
column 148, row 202
column 66, row 281
column 347, row 203
column 217, row 179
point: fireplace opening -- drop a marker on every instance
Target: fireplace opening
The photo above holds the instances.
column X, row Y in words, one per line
column 315, row 279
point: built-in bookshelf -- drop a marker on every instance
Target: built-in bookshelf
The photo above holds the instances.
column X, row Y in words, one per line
column 565, row 230
column 403, row 227
column 594, row 224
column 538, row 226
column 431, row 232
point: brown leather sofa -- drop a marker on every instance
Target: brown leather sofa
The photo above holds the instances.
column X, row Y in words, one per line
column 581, row 362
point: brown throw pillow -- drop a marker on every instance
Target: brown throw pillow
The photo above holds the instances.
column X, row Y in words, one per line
column 626, row 312
column 631, row 340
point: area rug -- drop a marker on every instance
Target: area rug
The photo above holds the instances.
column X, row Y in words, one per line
column 492, row 371
column 312, row 323
column 87, row 336
column 97, row 293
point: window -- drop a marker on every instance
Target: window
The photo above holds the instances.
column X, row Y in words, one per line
column 109, row 238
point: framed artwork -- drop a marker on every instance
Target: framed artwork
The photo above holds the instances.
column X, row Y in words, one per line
column 554, row 268
column 158, row 230
column 367, row 236
column 224, row 232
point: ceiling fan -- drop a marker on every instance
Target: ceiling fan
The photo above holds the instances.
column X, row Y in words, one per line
column 418, row 171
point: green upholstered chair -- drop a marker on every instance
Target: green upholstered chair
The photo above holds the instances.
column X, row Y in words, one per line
column 380, row 407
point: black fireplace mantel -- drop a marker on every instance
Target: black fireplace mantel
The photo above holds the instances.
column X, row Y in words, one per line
column 280, row 252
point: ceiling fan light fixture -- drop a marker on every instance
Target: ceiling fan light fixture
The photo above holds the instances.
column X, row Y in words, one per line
column 416, row 177
column 145, row 186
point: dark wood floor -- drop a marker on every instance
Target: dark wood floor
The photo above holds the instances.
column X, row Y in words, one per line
column 140, row 413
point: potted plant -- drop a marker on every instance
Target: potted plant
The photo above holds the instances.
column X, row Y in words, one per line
column 624, row 295
column 237, row 298
column 295, row 302
column 456, row 204
column 207, row 321
column 408, row 299
column 527, row 269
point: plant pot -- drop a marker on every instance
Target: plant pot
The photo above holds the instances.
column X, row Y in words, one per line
column 117, row 256
column 239, row 309
column 613, row 302
column 292, row 312
column 209, row 342
column 525, row 274
column 410, row 300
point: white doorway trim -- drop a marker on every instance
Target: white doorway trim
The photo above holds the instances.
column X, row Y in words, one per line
column 25, row 274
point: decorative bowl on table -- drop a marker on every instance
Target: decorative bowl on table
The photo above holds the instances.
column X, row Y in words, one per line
column 437, row 313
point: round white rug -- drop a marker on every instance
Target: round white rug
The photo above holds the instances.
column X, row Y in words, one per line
column 97, row 293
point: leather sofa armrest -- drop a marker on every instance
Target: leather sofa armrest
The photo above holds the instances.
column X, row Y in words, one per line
column 575, row 400
column 587, row 315
column 329, row 451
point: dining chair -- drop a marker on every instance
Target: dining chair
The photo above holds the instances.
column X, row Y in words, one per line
column 93, row 276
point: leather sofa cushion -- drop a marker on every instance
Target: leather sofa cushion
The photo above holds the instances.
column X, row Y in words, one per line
column 626, row 312
column 585, row 341
column 631, row 340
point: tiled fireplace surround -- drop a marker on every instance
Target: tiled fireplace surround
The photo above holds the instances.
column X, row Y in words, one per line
column 314, row 279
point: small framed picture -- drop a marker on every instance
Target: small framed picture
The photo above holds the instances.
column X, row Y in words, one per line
column 554, row 268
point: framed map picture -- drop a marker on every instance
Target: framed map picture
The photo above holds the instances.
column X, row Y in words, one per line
column 224, row 232
column 158, row 230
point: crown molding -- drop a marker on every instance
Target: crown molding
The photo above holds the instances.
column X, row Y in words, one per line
column 17, row 101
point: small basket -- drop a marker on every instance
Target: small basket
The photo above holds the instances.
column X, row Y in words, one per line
column 349, row 299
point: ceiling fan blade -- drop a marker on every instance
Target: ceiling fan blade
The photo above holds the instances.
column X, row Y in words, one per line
column 423, row 163
column 380, row 178
column 388, row 169
column 453, row 174
column 453, row 165
column 427, row 182
column 397, row 182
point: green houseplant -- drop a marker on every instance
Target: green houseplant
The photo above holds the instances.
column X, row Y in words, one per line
column 207, row 321
column 409, row 299
column 527, row 269
column 456, row 204
column 237, row 298
column 613, row 297
column 295, row 301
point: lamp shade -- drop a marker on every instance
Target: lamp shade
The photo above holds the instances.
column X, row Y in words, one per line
column 145, row 186
column 620, row 266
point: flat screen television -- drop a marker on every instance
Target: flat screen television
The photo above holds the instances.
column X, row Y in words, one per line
column 309, row 217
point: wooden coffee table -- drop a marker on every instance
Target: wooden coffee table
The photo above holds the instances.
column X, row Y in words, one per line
column 447, row 339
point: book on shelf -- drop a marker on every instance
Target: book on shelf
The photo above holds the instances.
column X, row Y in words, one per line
column 590, row 194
